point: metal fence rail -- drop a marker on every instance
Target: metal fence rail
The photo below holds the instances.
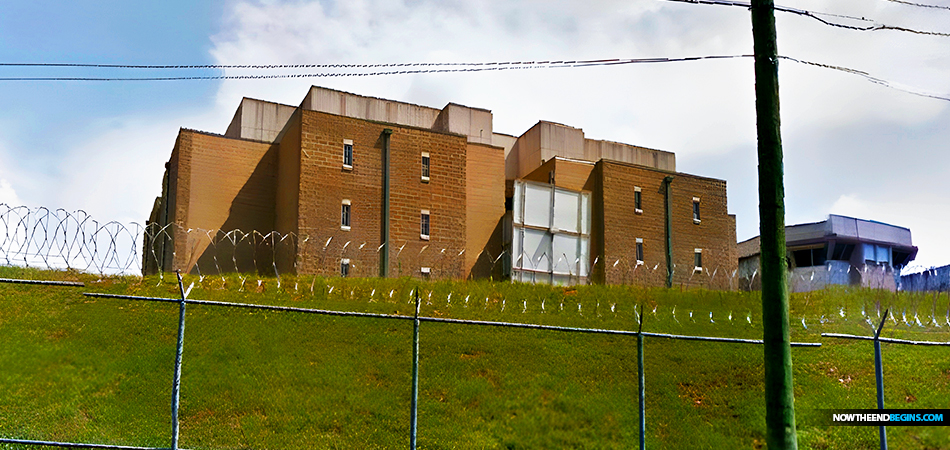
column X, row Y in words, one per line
column 183, row 301
column 75, row 445
column 879, row 363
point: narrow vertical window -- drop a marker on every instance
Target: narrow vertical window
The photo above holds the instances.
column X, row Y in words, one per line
column 698, row 260
column 696, row 218
column 425, row 167
column 425, row 271
column 347, row 154
column 637, row 200
column 344, row 267
column 639, row 251
column 424, row 225
column 345, row 215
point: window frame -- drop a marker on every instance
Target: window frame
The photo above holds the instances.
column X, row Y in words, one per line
column 426, row 166
column 697, row 260
column 425, row 225
column 346, row 215
column 696, row 211
column 348, row 154
column 637, row 200
column 639, row 254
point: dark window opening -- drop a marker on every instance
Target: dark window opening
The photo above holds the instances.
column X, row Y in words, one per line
column 637, row 200
column 425, row 225
column 639, row 251
column 901, row 258
column 698, row 260
column 809, row 257
column 345, row 215
column 345, row 268
column 696, row 217
column 842, row 252
column 425, row 167
column 347, row 154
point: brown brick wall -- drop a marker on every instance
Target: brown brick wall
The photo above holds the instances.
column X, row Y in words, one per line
column 715, row 235
column 221, row 184
column 567, row 174
column 287, row 199
column 485, row 209
column 324, row 184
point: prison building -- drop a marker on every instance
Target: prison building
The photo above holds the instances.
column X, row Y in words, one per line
column 350, row 185
column 637, row 220
column 840, row 250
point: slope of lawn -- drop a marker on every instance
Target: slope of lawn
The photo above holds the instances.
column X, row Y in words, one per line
column 81, row 369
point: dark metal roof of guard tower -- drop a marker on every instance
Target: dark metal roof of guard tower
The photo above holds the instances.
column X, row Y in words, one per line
column 841, row 229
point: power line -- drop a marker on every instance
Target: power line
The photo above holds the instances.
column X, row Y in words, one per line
column 449, row 67
column 875, row 26
column 500, row 64
column 869, row 77
column 921, row 5
column 456, row 67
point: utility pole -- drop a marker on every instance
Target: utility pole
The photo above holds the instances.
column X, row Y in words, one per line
column 779, row 398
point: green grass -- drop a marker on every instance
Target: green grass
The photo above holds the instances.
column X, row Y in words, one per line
column 80, row 369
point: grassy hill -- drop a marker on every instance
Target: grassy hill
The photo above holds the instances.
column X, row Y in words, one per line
column 80, row 369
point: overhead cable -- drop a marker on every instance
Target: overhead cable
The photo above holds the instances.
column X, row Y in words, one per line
column 500, row 64
column 921, row 5
column 874, row 25
column 468, row 67
column 433, row 68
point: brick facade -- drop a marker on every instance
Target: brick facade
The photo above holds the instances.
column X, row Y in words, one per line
column 214, row 184
column 324, row 184
column 236, row 203
column 620, row 225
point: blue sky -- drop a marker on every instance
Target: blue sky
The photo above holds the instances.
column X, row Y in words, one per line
column 852, row 147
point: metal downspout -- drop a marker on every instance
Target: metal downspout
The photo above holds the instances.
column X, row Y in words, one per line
column 384, row 220
column 668, row 193
column 164, row 223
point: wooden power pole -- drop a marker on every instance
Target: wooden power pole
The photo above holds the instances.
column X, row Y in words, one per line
column 779, row 398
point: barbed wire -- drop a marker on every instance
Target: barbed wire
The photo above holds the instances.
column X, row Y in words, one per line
column 57, row 239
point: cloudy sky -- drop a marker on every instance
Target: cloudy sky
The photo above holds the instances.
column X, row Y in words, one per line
column 852, row 147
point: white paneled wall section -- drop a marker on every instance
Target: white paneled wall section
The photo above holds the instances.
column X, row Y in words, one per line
column 550, row 239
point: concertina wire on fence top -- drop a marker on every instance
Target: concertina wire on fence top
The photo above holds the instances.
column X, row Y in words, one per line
column 57, row 239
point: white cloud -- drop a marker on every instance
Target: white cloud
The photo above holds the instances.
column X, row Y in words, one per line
column 8, row 194
column 851, row 145
column 113, row 176
column 117, row 175
column 600, row 100
column 929, row 229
